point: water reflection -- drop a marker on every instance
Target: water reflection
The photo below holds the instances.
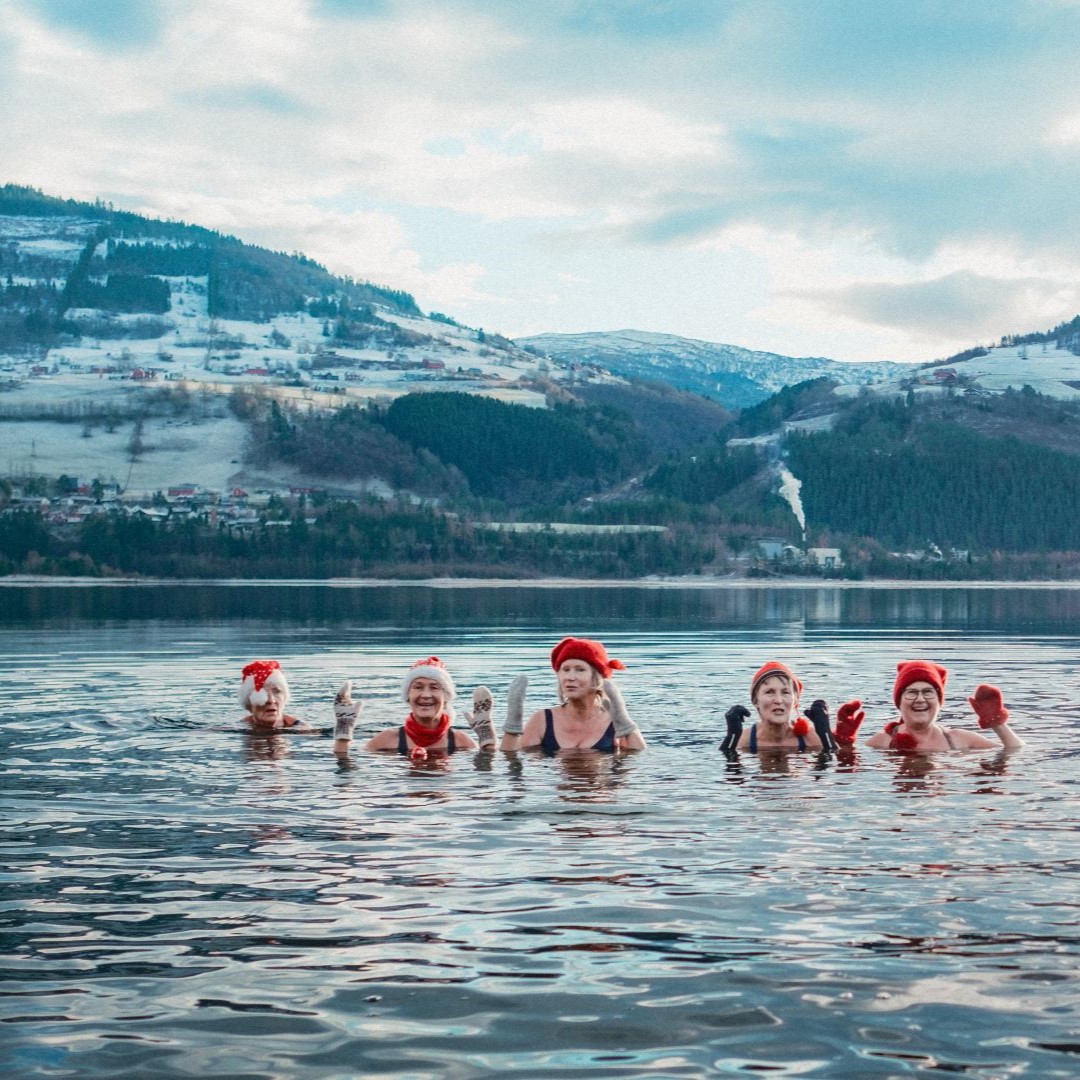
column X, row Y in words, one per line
column 265, row 747
column 183, row 899
column 589, row 776
column 313, row 603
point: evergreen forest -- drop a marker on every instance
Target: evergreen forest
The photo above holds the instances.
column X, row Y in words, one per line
column 901, row 486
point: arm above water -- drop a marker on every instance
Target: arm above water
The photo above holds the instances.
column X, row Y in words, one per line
column 480, row 718
column 346, row 713
column 514, row 725
column 627, row 734
column 990, row 709
column 736, row 738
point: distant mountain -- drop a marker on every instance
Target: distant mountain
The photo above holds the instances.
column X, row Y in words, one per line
column 734, row 376
column 148, row 359
column 58, row 254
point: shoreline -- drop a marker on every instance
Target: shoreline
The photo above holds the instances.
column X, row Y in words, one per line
column 689, row 582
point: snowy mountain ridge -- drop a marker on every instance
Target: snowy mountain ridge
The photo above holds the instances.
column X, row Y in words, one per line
column 735, row 375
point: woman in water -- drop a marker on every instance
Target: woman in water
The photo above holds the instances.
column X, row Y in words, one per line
column 774, row 692
column 919, row 693
column 429, row 691
column 591, row 714
column 265, row 693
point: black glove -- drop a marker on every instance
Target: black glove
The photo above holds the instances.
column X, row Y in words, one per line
column 818, row 715
column 734, row 717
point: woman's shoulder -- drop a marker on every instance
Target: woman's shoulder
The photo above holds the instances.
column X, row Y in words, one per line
column 463, row 740
column 387, row 739
column 967, row 740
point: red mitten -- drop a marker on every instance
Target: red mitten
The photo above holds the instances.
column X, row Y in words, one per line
column 989, row 706
column 800, row 727
column 903, row 740
column 849, row 718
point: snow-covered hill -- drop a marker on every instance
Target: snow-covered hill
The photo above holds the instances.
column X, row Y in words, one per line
column 738, row 377
column 54, row 398
column 119, row 360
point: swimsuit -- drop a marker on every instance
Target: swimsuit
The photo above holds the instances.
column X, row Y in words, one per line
column 550, row 744
column 753, row 740
column 403, row 742
column 947, row 732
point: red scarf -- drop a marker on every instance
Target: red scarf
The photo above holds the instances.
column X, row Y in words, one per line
column 425, row 736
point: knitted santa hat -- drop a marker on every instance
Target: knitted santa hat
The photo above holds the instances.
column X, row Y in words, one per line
column 774, row 667
column 256, row 677
column 912, row 671
column 430, row 668
column 592, row 652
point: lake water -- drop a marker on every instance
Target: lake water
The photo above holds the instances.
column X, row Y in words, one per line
column 183, row 900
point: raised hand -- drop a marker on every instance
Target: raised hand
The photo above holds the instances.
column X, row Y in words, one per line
column 818, row 715
column 624, row 726
column 346, row 712
column 734, row 717
column 989, row 706
column 515, row 705
column 849, row 718
column 480, row 718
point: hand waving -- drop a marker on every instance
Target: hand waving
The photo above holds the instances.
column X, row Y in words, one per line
column 818, row 715
column 989, row 706
column 346, row 712
column 480, row 718
column 734, row 717
column 849, row 718
column 515, row 705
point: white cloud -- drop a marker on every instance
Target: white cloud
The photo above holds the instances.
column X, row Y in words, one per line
column 807, row 161
column 625, row 130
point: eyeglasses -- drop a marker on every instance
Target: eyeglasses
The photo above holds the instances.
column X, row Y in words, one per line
column 911, row 695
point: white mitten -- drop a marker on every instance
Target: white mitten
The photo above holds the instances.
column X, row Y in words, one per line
column 515, row 705
column 480, row 718
column 624, row 726
column 346, row 711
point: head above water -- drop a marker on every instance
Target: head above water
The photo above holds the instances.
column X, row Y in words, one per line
column 430, row 667
column 913, row 671
column 256, row 680
column 591, row 652
column 774, row 667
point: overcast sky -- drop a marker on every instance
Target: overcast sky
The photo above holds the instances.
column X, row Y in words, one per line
column 858, row 179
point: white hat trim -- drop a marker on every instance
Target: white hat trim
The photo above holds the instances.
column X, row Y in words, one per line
column 249, row 696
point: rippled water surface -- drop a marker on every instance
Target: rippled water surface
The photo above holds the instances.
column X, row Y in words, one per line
column 181, row 899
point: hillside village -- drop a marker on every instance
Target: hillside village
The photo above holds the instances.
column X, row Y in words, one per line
column 146, row 414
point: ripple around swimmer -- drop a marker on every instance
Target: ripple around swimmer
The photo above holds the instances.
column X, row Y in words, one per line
column 182, row 899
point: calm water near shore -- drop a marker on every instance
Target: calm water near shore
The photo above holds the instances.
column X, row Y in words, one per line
column 182, row 899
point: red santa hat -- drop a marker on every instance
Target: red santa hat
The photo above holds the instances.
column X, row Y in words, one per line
column 430, row 668
column 256, row 677
column 592, row 652
column 913, row 671
column 774, row 667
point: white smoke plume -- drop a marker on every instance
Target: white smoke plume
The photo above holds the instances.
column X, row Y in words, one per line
column 789, row 491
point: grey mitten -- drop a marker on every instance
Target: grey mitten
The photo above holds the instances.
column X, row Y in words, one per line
column 346, row 711
column 480, row 718
column 515, row 705
column 624, row 726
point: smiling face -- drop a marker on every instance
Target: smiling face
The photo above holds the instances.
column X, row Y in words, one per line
column 427, row 700
column 577, row 680
column 919, row 705
column 272, row 714
column 775, row 699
